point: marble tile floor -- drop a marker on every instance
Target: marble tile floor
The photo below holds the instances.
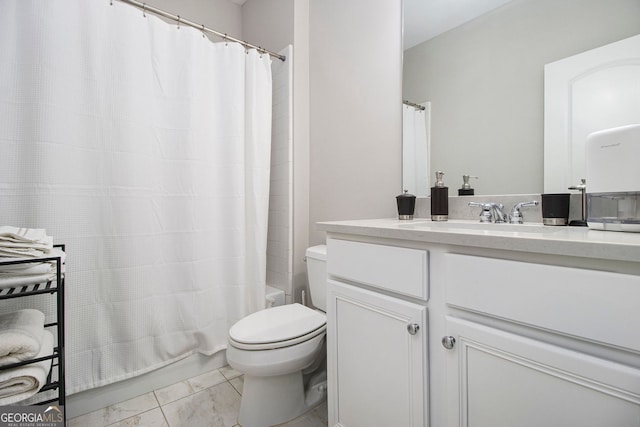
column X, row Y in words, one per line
column 208, row 400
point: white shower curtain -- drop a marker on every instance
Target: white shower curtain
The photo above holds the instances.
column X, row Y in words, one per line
column 145, row 148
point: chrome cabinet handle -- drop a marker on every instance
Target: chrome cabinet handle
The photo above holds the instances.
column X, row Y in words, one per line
column 448, row 342
column 413, row 328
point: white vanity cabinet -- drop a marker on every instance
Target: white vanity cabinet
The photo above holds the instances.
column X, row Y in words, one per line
column 376, row 340
column 500, row 379
column 525, row 328
column 532, row 375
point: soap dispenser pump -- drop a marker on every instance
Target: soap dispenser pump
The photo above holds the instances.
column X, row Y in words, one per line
column 439, row 199
column 466, row 189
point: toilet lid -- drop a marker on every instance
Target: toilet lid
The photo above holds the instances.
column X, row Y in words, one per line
column 277, row 324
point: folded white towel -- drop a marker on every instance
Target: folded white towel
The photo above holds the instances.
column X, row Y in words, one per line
column 49, row 253
column 55, row 252
column 21, row 335
column 19, row 234
column 21, row 252
column 44, row 244
column 13, row 275
column 28, row 253
column 15, row 281
column 24, row 268
column 24, row 242
column 20, row 383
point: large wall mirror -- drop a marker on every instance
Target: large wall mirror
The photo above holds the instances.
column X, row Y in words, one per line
column 482, row 76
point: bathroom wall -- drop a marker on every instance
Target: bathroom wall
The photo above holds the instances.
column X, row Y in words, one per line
column 485, row 82
column 269, row 23
column 301, row 137
column 258, row 19
column 274, row 24
column 280, row 230
column 356, row 115
column 220, row 15
column 347, row 135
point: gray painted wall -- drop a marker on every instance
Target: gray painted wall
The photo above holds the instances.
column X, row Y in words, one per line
column 355, row 116
column 220, row 15
column 268, row 23
column 485, row 81
column 347, row 124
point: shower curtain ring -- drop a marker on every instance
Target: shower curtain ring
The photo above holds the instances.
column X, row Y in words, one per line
column 178, row 21
column 144, row 6
column 203, row 36
column 226, row 42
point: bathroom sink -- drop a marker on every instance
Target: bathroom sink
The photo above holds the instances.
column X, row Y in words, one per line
column 465, row 225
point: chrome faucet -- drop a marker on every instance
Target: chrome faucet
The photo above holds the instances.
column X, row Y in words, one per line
column 485, row 214
column 498, row 214
column 515, row 216
column 491, row 212
column 494, row 212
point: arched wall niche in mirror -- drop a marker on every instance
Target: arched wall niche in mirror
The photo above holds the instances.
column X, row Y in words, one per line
column 595, row 90
column 484, row 80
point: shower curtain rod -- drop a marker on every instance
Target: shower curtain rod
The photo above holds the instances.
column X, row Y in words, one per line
column 414, row 105
column 146, row 8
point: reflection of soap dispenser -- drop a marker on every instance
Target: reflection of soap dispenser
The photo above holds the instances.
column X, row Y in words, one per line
column 466, row 189
column 439, row 199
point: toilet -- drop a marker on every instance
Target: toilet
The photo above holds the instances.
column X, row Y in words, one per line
column 282, row 353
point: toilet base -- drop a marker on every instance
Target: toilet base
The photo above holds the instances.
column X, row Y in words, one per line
column 267, row 401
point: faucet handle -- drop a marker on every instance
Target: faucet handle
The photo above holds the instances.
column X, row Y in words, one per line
column 515, row 216
column 486, row 213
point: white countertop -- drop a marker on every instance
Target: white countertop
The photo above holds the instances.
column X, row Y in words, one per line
column 535, row 238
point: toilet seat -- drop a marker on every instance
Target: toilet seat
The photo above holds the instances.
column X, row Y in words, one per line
column 277, row 327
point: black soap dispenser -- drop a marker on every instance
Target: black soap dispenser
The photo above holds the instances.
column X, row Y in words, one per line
column 439, row 199
column 466, row 189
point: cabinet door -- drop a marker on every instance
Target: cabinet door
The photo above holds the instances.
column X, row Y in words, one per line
column 499, row 379
column 377, row 360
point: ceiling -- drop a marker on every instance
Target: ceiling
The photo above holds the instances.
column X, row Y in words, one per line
column 425, row 19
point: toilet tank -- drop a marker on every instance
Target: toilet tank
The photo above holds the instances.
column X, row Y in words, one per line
column 317, row 273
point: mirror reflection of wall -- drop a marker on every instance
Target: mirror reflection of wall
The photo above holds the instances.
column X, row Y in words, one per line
column 595, row 90
column 415, row 148
column 485, row 82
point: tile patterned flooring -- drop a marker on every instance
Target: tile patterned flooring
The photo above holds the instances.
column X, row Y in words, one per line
column 208, row 400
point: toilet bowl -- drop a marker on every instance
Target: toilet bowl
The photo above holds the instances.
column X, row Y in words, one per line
column 282, row 353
